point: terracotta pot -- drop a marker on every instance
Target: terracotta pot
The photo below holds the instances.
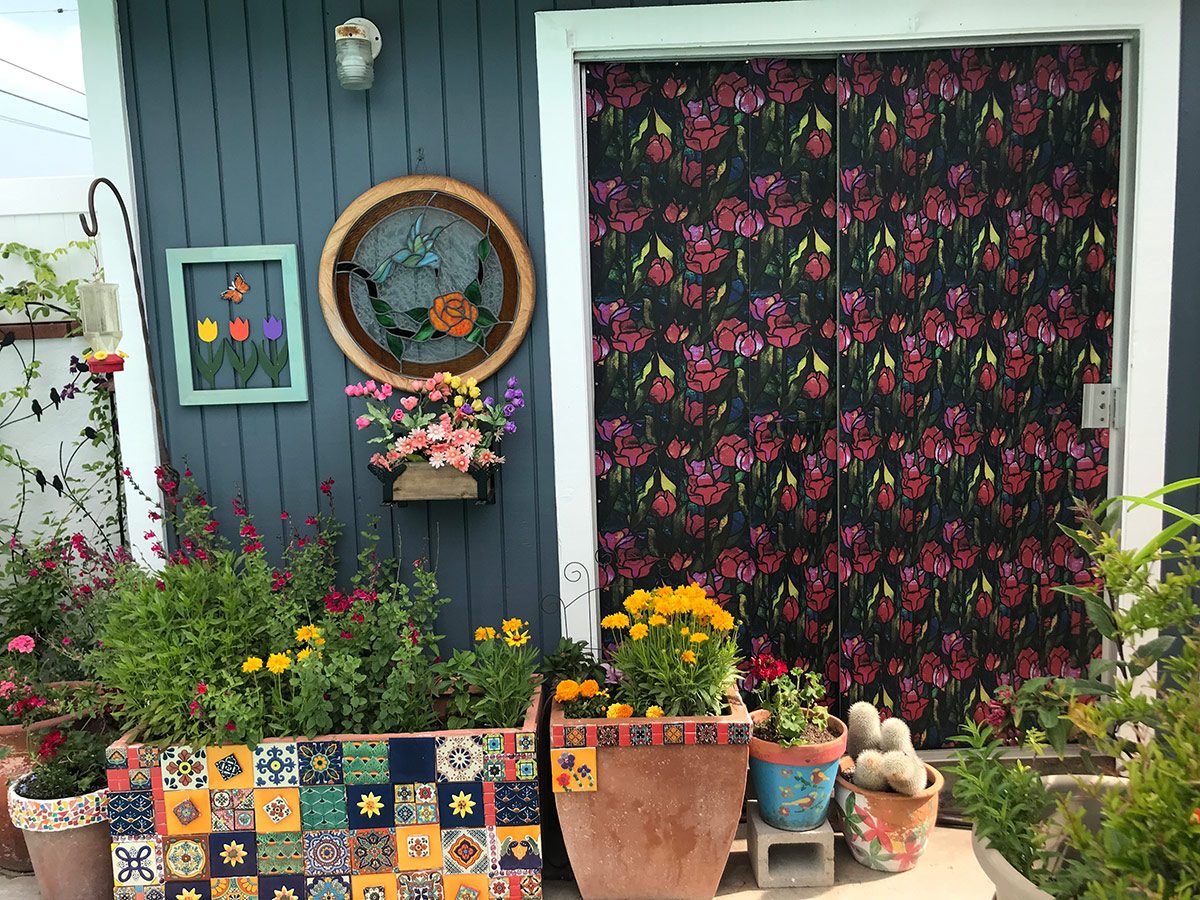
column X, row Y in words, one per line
column 1010, row 883
column 69, row 844
column 649, row 807
column 795, row 784
column 13, row 853
column 885, row 830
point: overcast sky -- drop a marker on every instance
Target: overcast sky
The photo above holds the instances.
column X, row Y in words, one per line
column 35, row 36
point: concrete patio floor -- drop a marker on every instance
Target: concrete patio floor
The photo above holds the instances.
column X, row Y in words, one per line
column 948, row 869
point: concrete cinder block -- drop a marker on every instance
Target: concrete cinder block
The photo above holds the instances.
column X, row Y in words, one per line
column 788, row 858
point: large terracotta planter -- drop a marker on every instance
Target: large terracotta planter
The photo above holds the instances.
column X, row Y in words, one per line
column 885, row 830
column 795, row 784
column 649, row 807
column 68, row 842
column 16, row 738
column 1010, row 883
column 451, row 814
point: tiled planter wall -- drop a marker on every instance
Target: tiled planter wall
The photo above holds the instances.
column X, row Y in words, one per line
column 440, row 816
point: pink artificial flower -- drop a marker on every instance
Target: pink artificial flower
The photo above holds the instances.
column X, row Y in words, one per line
column 22, row 643
column 409, row 403
column 362, row 422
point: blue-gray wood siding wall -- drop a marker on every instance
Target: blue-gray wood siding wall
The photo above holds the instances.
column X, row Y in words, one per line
column 241, row 135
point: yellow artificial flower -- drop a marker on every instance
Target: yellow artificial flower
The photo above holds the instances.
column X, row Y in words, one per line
column 484, row 634
column 473, row 391
column 688, row 656
column 252, row 664
column 458, row 401
column 566, row 691
column 277, row 662
column 698, row 638
column 461, row 804
column 656, row 619
column 619, row 711
column 303, row 654
column 477, row 405
column 653, row 712
column 455, row 382
column 370, row 805
column 206, row 330
column 616, row 620
column 471, row 382
column 589, row 688
column 639, row 631
column 510, row 625
column 516, row 639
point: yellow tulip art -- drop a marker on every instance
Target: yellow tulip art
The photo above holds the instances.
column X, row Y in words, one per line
column 206, row 330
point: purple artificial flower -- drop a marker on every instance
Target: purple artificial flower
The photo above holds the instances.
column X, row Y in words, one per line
column 489, row 401
column 509, row 427
column 272, row 328
column 512, row 382
column 508, row 410
column 519, row 402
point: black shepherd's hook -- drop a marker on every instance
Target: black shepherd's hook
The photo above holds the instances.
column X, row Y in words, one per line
column 91, row 227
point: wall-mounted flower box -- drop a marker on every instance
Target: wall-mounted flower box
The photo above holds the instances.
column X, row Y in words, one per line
column 451, row 815
column 674, row 785
column 420, row 481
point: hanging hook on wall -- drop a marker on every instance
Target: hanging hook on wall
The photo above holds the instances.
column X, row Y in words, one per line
column 91, row 227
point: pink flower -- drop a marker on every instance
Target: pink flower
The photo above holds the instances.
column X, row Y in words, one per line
column 362, row 422
column 201, row 688
column 66, row 641
column 22, row 643
column 409, row 403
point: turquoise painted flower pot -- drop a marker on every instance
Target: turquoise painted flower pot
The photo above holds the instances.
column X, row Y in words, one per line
column 794, row 784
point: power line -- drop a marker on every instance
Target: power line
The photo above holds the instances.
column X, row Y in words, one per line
column 43, row 77
column 41, row 127
column 65, row 112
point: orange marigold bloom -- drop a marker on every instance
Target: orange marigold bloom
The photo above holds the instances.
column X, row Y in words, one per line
column 589, row 688
column 619, row 711
column 566, row 691
column 653, row 712
column 688, row 656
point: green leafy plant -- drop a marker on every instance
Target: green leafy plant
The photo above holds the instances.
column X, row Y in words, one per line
column 491, row 685
column 70, row 760
column 793, row 700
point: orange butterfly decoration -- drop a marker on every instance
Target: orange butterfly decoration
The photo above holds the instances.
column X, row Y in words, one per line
column 237, row 289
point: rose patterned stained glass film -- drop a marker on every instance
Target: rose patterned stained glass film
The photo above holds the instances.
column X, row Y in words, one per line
column 930, row 236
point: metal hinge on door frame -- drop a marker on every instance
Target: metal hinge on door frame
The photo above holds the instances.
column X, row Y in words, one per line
column 1099, row 403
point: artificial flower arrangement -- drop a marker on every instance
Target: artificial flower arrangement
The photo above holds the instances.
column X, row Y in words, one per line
column 676, row 656
column 262, row 648
column 448, row 422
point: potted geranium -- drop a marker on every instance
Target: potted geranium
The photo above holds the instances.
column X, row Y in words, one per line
column 795, row 747
column 309, row 736
column 1131, row 829
column 442, row 443
column 649, row 773
column 61, row 809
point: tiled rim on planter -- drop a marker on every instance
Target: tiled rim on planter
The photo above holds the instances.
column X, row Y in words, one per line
column 446, row 814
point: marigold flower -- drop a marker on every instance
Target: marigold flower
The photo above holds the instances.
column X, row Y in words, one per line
column 657, row 619
column 303, row 654
column 277, row 662
column 685, row 631
column 639, row 631
column 636, row 602
column 698, row 638
column 616, row 620
column 304, row 633
column 589, row 688
column 619, row 711
column 722, row 620
column 653, row 712
column 566, row 691
column 510, row 625
column 688, row 656
column 252, row 664
column 484, row 634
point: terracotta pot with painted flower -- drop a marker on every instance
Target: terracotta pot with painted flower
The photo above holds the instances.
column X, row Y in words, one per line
column 795, row 748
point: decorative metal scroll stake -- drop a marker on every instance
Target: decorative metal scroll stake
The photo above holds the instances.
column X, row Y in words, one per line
column 91, row 227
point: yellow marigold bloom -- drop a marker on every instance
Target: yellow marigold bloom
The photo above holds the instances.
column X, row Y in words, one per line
column 722, row 620
column 685, row 631
column 515, row 639
column 303, row 654
column 656, row 619
column 639, row 631
column 484, row 634
column 252, row 664
column 688, row 656
column 636, row 602
column 589, row 688
column 698, row 638
column 619, row 711
column 510, row 625
column 653, row 712
column 304, row 633
column 616, row 620
column 277, row 662
column 567, row 690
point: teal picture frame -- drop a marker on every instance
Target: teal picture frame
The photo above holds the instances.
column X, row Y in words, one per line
column 182, row 326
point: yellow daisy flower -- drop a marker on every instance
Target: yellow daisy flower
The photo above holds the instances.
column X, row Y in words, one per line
column 514, row 639
column 277, row 662
column 657, row 619
column 303, row 654
column 512, row 625
column 484, row 634
column 616, row 620
column 639, row 631
column 252, row 664
column 698, row 638
column 304, row 633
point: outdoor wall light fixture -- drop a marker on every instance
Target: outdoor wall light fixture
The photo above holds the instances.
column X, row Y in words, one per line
column 357, row 42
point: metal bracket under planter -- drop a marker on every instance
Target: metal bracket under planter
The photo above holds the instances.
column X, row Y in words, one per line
column 420, row 481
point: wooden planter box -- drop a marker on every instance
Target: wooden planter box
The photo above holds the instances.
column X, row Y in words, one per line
column 449, row 814
column 649, row 807
column 420, row 481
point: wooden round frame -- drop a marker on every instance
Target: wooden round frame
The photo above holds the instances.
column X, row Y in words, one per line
column 462, row 199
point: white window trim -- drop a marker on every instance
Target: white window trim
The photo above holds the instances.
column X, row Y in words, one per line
column 112, row 157
column 566, row 39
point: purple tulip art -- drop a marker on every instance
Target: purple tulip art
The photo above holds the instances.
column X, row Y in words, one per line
column 273, row 357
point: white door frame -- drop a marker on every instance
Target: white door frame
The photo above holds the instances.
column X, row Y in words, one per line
column 566, row 40
column 112, row 157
